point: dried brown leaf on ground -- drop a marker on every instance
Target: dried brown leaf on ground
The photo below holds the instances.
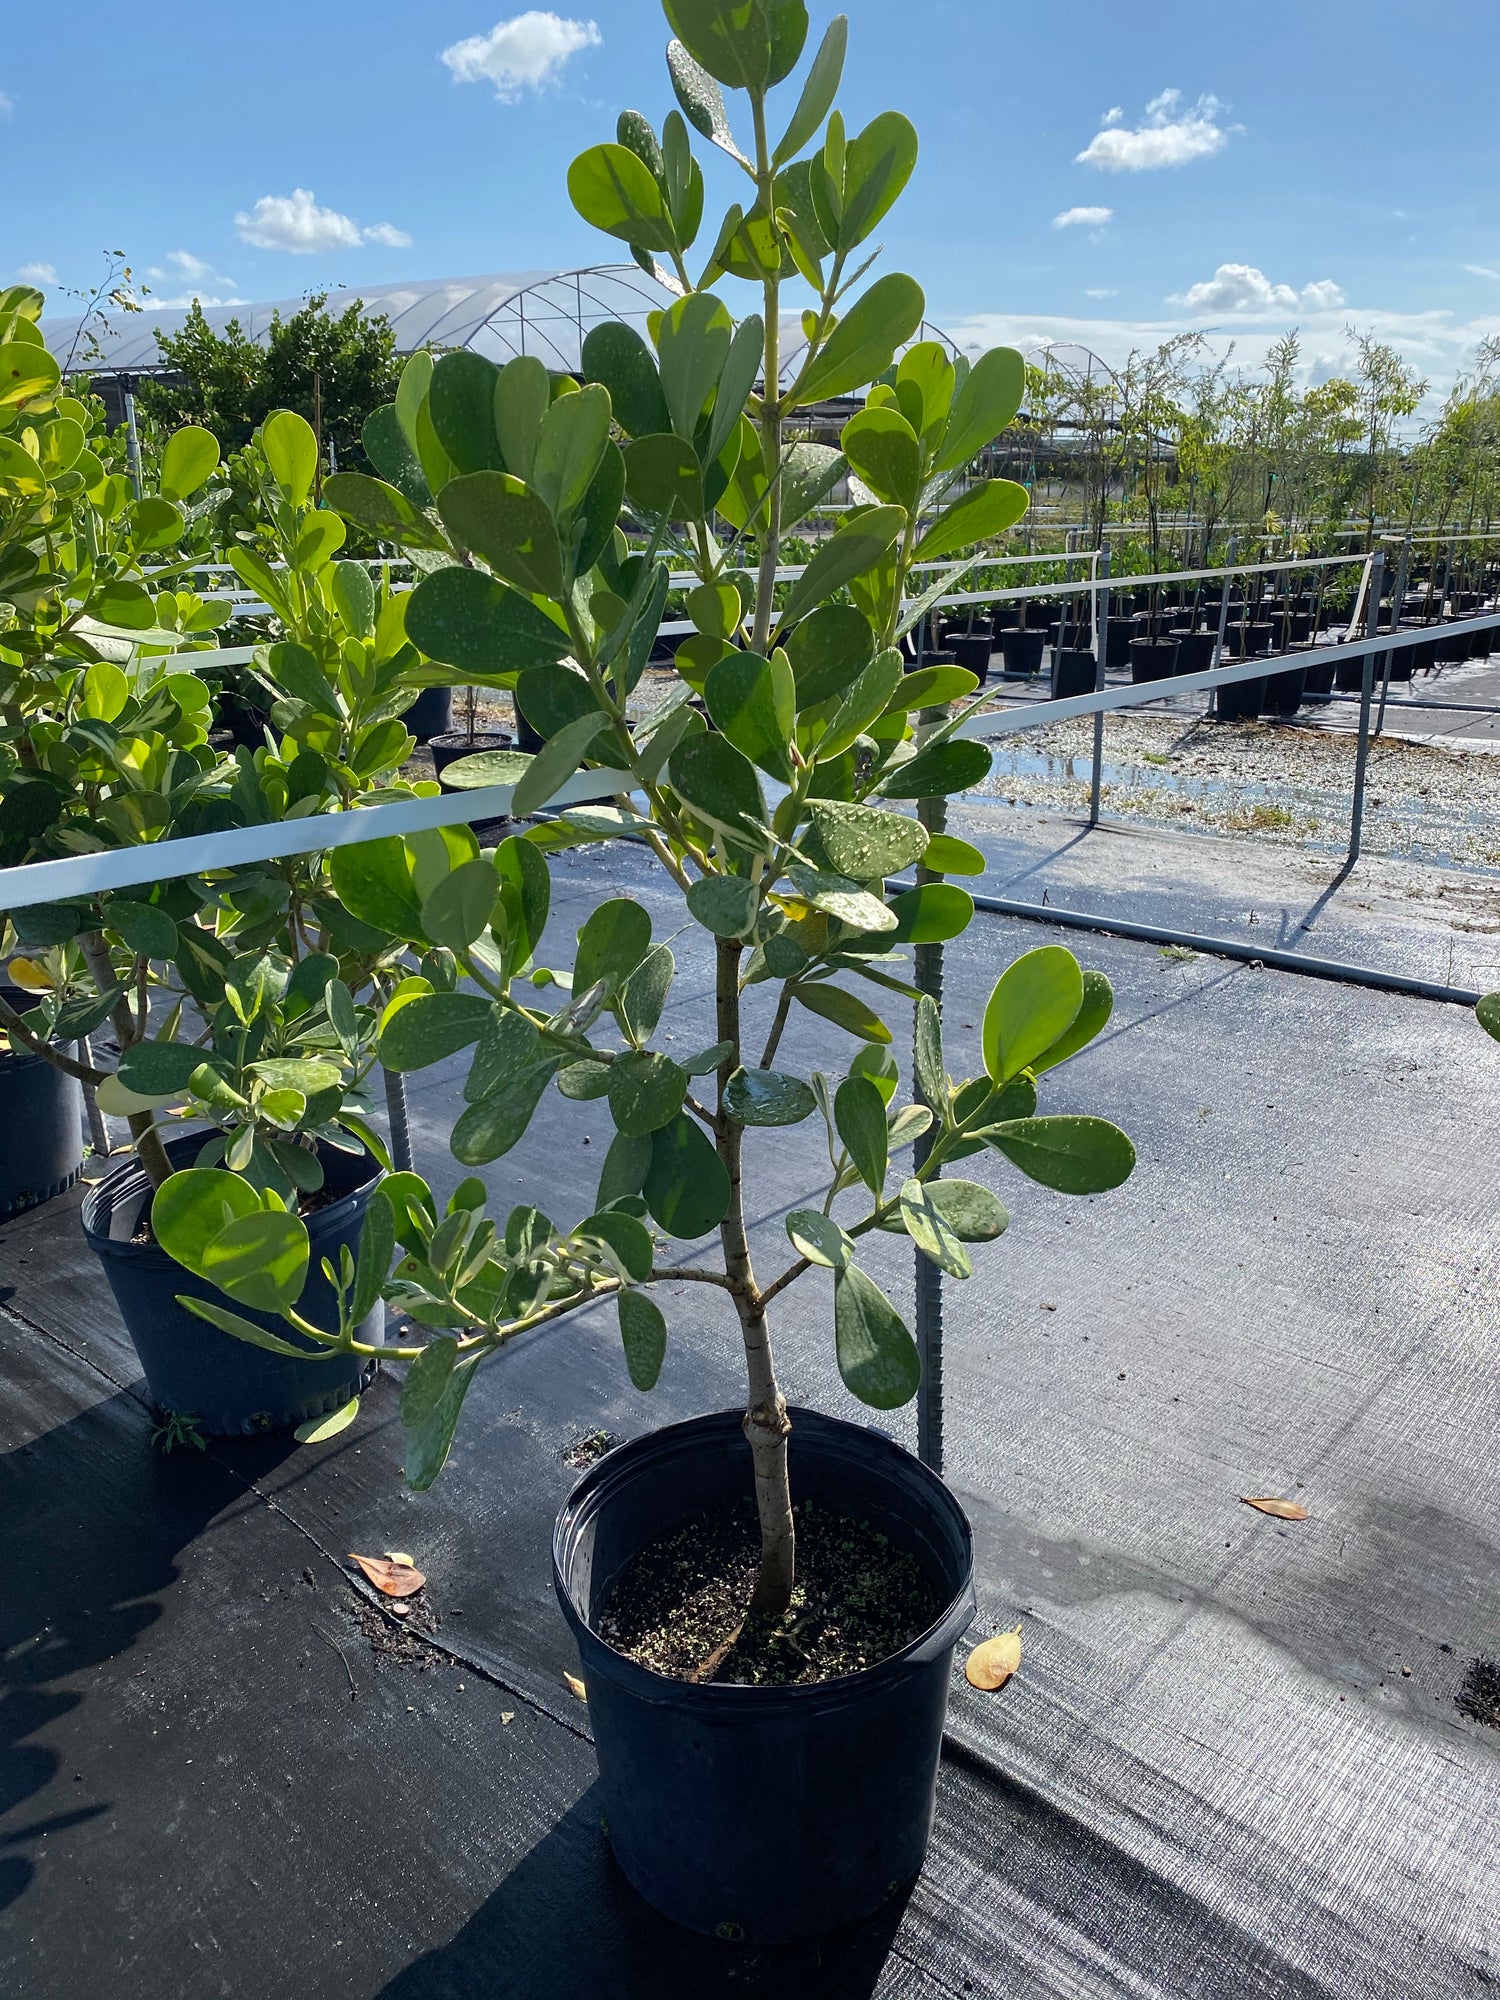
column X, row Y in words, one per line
column 391, row 1579
column 992, row 1663
column 576, row 1686
column 1267, row 1503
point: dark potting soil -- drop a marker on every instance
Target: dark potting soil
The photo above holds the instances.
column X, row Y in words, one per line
column 857, row 1601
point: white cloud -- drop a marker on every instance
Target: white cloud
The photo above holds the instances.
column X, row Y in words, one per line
column 1482, row 271
column 296, row 223
column 523, row 53
column 1169, row 137
column 7, row 105
column 1103, row 292
column 205, row 286
column 1241, row 288
column 1083, row 218
column 38, row 274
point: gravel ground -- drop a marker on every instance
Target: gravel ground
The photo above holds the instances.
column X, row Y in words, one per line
column 1282, row 782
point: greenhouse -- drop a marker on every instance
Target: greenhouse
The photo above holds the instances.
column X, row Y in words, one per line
column 747, row 1073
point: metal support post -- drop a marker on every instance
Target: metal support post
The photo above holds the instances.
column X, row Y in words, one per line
column 1101, row 662
column 395, row 1104
column 933, row 813
column 1218, row 658
column 133, row 436
column 1366, row 693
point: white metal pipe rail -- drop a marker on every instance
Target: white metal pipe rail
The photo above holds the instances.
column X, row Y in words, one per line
column 131, row 867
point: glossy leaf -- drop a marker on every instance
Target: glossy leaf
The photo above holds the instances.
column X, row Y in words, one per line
column 955, row 766
column 189, row 1210
column 931, row 913
column 459, row 909
column 867, row 843
column 724, row 904
column 867, row 339
column 717, row 783
column 886, row 453
column 819, row 1239
column 752, row 701
column 845, row 1010
column 431, row 1399
column 877, row 1356
column 189, row 457
column 628, row 1239
column 552, row 766
column 507, row 526
column 259, row 1260
column 614, row 191
column 764, row 1097
column 643, row 1331
column 854, row 547
column 318, row 1430
column 574, row 436
column 981, row 514
column 1034, row 1002
column 1072, row 1155
column 930, row 1230
column 1487, row 1013
column 431, row 1027
column 985, row 405
column 1093, row 1015
column 687, row 1185
column 615, row 355
column 646, row 1090
column 489, row 1129
column 878, row 163
column 948, row 855
column 859, row 1116
column 829, row 650
column 461, row 404
column 611, row 944
column 867, row 700
column 818, row 92
column 291, row 451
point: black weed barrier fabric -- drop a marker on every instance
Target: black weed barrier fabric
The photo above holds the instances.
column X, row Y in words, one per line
column 1244, row 1759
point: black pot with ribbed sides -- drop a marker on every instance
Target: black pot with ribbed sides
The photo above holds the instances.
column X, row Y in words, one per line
column 191, row 1367
column 41, row 1123
column 764, row 1813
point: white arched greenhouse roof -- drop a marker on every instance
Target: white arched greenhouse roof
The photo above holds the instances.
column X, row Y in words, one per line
column 545, row 313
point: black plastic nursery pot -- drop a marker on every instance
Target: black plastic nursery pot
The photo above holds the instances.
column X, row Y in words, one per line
column 973, row 650
column 1284, row 692
column 1317, row 682
column 1119, row 632
column 1072, row 673
column 430, row 714
column 1195, row 651
column 190, row 1366
column 764, row 1814
column 448, row 747
column 41, row 1123
column 1021, row 650
column 1152, row 659
column 1240, row 701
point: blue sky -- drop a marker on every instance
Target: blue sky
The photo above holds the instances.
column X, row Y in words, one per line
column 1320, row 164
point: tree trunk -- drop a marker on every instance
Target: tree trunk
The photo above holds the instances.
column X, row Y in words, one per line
column 767, row 1426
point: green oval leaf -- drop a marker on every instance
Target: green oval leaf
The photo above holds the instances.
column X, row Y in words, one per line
column 845, row 1010
column 646, row 1090
column 260, row 1260
column 765, row 1097
column 866, row 843
column 318, row 1430
column 859, row 1116
column 819, row 1239
column 724, row 904
column 991, row 394
column 877, row 1357
column 1034, row 1002
column 291, row 450
column 687, row 1186
column 981, row 514
column 954, row 766
column 1072, row 1155
column 643, row 1331
column 931, row 914
column 509, row 527
column 431, row 1027
column 189, row 1210
column 616, row 192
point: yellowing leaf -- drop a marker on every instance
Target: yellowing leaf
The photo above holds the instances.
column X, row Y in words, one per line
column 397, row 1556
column 391, row 1579
column 576, row 1686
column 1284, row 1510
column 992, row 1663
column 30, row 976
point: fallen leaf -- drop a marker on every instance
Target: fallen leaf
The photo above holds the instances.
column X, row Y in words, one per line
column 392, row 1579
column 317, row 1429
column 992, row 1663
column 507, row 1717
column 576, row 1686
column 397, row 1556
column 1284, row 1510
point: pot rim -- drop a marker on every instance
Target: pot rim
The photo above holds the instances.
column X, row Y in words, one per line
column 645, row 1683
column 123, row 1182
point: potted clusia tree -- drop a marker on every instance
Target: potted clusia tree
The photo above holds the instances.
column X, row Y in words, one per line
column 789, row 1599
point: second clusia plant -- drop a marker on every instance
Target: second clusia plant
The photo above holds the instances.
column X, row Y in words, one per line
column 771, row 779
